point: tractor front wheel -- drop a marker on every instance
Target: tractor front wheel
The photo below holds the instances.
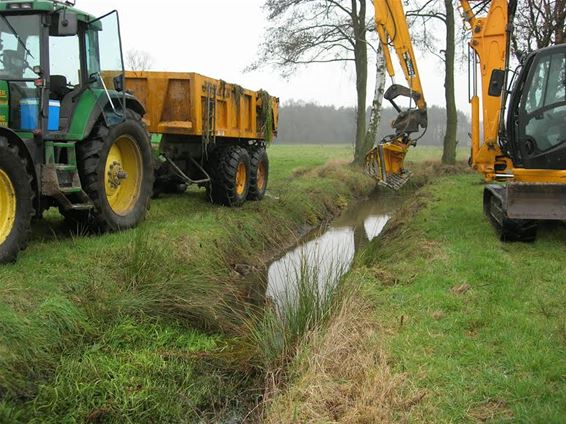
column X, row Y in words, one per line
column 16, row 202
column 117, row 173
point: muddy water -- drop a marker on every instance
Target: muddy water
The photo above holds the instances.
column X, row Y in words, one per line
column 327, row 254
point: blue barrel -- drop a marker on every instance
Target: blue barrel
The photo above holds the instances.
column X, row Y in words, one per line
column 29, row 111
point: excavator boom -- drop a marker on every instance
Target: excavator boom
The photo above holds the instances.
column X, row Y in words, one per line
column 490, row 46
column 385, row 161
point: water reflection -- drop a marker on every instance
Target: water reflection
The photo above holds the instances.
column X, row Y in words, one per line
column 329, row 255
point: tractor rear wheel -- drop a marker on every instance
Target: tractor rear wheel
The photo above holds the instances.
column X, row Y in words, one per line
column 229, row 168
column 259, row 173
column 116, row 169
column 16, row 202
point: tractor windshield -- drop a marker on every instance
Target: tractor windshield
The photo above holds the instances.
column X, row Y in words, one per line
column 19, row 46
column 103, row 45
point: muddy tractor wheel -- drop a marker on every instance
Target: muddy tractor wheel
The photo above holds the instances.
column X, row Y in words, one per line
column 116, row 172
column 16, row 202
column 259, row 173
column 229, row 169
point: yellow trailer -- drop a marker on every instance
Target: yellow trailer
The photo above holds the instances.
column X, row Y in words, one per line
column 212, row 133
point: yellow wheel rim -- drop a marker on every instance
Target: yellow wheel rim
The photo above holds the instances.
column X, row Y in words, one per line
column 261, row 176
column 7, row 206
column 123, row 175
column 241, row 179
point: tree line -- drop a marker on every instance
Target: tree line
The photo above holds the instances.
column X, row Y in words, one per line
column 309, row 123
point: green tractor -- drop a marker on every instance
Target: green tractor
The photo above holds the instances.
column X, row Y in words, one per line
column 70, row 136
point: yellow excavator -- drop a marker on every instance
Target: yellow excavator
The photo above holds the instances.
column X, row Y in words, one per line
column 521, row 149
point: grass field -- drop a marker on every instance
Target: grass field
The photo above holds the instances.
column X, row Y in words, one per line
column 456, row 326
column 438, row 321
column 119, row 327
column 484, row 328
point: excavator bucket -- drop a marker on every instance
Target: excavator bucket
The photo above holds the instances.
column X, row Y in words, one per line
column 385, row 163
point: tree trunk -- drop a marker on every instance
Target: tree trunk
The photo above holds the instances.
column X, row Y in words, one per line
column 361, row 60
column 450, row 141
column 375, row 116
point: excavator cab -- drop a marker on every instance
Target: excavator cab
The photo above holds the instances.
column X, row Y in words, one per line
column 536, row 122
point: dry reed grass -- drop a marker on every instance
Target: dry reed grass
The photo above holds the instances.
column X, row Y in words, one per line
column 342, row 375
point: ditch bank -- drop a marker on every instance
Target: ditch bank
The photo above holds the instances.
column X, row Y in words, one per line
column 437, row 318
column 141, row 326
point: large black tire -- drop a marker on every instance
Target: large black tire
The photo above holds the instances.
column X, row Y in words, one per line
column 14, row 175
column 259, row 173
column 92, row 160
column 223, row 166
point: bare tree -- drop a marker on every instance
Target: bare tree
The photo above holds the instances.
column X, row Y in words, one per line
column 138, row 60
column 428, row 13
column 320, row 31
column 377, row 104
column 538, row 24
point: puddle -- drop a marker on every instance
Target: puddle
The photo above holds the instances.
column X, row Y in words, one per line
column 328, row 254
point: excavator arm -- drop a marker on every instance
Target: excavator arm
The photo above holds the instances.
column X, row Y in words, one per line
column 489, row 24
column 385, row 161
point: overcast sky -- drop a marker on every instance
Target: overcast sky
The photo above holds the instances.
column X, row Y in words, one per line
column 219, row 38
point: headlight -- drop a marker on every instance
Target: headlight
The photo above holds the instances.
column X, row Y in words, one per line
column 13, row 6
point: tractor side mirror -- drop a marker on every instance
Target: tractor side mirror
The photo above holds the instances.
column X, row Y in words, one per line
column 64, row 24
column 496, row 82
column 119, row 83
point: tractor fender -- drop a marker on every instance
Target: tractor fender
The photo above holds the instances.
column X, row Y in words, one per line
column 30, row 150
column 104, row 110
column 134, row 104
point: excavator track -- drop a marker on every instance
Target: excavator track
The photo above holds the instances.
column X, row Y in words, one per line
column 509, row 230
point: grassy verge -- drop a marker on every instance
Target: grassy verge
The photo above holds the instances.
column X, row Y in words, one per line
column 125, row 327
column 457, row 327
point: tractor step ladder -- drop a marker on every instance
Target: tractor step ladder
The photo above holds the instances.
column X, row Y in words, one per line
column 60, row 176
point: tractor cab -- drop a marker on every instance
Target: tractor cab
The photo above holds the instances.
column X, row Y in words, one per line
column 52, row 61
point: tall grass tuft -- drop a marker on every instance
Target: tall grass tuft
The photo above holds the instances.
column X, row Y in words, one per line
column 30, row 344
column 305, row 305
column 160, row 283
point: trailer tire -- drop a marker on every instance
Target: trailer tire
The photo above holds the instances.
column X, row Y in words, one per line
column 16, row 200
column 259, row 173
column 229, row 169
column 116, row 170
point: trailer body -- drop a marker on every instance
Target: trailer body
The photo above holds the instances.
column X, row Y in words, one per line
column 193, row 105
column 202, row 124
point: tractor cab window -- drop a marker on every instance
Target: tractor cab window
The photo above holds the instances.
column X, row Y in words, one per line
column 544, row 104
column 19, row 53
column 65, row 59
column 19, row 46
column 104, row 48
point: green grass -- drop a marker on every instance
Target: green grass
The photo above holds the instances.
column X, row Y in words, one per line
column 433, row 153
column 125, row 327
column 495, row 348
